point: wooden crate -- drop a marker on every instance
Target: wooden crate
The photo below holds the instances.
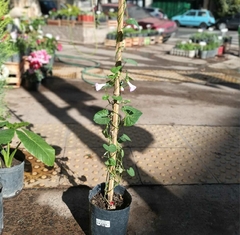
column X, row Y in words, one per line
column 54, row 22
column 15, row 73
column 127, row 42
column 67, row 23
column 112, row 24
column 135, row 41
column 110, row 42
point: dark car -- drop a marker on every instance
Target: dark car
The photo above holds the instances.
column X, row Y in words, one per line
column 230, row 22
column 47, row 5
column 145, row 19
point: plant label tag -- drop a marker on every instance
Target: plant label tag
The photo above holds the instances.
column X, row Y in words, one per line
column 103, row 223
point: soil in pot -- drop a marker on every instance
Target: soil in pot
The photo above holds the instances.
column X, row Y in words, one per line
column 99, row 201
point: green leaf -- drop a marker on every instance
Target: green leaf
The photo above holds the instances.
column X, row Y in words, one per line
column 102, row 117
column 116, row 69
column 110, row 162
column 37, row 146
column 110, row 148
column 132, row 115
column 130, row 61
column 105, row 97
column 6, row 136
column 132, row 21
column 3, row 123
column 131, row 172
column 118, row 98
column 124, row 138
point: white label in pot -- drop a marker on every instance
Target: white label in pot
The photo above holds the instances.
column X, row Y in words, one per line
column 103, row 223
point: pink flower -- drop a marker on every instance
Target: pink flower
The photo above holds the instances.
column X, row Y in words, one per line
column 98, row 86
column 41, row 56
column 131, row 86
column 59, row 46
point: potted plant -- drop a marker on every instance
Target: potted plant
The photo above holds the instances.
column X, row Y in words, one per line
column 12, row 160
column 38, row 68
column 115, row 199
column 53, row 14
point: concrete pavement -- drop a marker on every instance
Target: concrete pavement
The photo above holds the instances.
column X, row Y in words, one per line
column 185, row 149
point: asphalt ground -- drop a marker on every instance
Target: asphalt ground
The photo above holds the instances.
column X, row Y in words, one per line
column 185, row 149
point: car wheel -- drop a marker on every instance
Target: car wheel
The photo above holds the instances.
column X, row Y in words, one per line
column 222, row 26
column 177, row 23
column 203, row 25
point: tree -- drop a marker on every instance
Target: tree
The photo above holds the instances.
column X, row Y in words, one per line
column 228, row 7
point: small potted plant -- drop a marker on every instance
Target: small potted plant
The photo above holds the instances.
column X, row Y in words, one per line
column 114, row 199
column 38, row 68
column 12, row 160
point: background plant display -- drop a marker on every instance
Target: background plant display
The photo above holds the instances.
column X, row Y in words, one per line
column 121, row 114
column 37, row 61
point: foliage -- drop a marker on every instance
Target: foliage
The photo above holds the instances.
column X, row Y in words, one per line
column 228, row 7
column 32, row 142
column 70, row 10
column 6, row 47
column 188, row 46
column 120, row 114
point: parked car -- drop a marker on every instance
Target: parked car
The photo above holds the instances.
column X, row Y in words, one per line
column 230, row 22
column 145, row 19
column 47, row 5
column 197, row 18
column 156, row 12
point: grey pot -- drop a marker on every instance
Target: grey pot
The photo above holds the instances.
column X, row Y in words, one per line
column 12, row 178
column 204, row 54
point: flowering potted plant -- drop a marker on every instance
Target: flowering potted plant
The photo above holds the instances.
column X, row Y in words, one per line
column 53, row 14
column 38, row 61
column 114, row 199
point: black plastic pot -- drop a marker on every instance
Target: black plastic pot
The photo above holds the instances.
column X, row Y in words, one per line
column 105, row 222
column 12, row 178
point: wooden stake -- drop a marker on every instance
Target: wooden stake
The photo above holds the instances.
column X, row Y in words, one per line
column 116, row 92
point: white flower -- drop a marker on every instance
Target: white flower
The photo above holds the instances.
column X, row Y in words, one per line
column 210, row 29
column 183, row 42
column 98, row 12
column 40, row 36
column 14, row 36
column 46, row 16
column 220, row 37
column 122, row 89
column 30, row 27
column 16, row 22
column 4, row 72
column 131, row 86
column 48, row 35
column 111, row 10
column 190, row 41
column 40, row 31
column 202, row 43
column 57, row 37
column 98, row 86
